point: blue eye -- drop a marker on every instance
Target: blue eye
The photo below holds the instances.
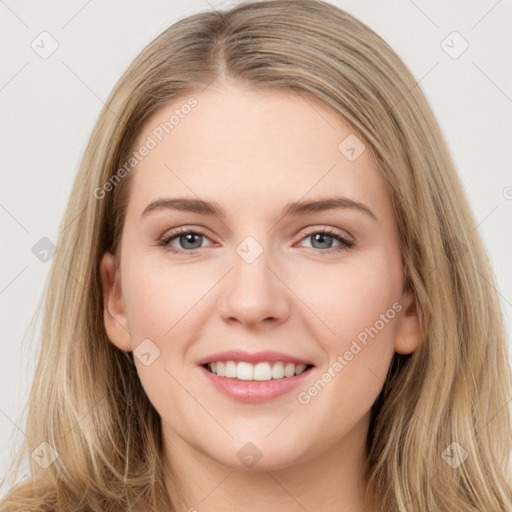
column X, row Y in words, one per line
column 326, row 236
column 190, row 241
column 187, row 239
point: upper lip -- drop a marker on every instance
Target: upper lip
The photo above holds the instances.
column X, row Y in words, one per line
column 254, row 357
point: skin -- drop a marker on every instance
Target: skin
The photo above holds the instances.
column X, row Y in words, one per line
column 253, row 152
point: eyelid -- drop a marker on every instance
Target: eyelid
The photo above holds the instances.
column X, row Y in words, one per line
column 328, row 229
column 182, row 230
column 346, row 240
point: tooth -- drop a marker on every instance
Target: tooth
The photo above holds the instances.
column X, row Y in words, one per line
column 289, row 370
column 278, row 371
column 262, row 371
column 259, row 372
column 300, row 368
column 244, row 371
column 230, row 370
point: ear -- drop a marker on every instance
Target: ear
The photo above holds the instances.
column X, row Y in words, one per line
column 114, row 314
column 407, row 337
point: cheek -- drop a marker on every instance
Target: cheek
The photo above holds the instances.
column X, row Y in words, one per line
column 360, row 309
column 355, row 321
column 160, row 299
column 347, row 300
column 162, row 302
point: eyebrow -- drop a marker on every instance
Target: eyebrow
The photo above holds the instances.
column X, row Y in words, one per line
column 293, row 209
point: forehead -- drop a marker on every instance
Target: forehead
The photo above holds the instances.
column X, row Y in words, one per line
column 265, row 147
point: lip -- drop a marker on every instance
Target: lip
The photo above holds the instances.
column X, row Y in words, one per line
column 255, row 391
column 253, row 358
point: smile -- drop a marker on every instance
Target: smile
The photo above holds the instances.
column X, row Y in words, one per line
column 262, row 371
column 255, row 383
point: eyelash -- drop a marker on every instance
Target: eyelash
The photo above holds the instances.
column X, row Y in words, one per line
column 345, row 244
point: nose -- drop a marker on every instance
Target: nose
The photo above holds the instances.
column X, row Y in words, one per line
column 254, row 294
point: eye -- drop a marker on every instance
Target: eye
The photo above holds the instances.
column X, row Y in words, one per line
column 322, row 239
column 188, row 240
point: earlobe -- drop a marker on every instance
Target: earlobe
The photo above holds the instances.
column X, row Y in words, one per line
column 408, row 336
column 114, row 315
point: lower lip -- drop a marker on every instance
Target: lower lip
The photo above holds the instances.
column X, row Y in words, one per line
column 255, row 391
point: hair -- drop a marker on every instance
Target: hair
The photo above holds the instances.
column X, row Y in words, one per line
column 86, row 399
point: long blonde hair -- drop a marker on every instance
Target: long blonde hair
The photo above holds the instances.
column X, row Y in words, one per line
column 446, row 401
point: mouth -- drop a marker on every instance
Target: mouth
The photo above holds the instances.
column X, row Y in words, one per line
column 263, row 371
column 247, row 383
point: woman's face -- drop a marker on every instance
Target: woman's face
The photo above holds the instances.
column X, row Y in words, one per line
column 261, row 277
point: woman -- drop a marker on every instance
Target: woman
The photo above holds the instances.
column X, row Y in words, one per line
column 252, row 371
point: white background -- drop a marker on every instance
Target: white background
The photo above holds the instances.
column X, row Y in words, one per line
column 48, row 107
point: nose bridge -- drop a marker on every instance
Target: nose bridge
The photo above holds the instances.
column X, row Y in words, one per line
column 254, row 292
